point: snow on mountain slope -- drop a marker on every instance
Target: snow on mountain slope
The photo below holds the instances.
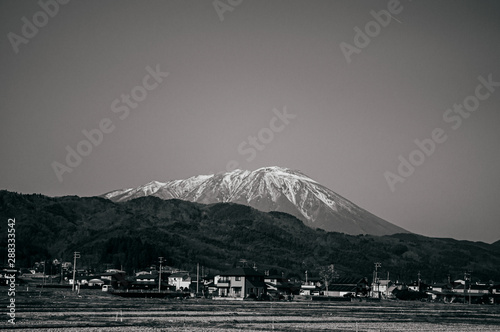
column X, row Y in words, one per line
column 270, row 189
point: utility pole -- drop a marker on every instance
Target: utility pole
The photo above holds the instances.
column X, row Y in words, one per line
column 330, row 274
column 465, row 286
column 197, row 277
column 159, row 278
column 44, row 271
column 62, row 272
column 467, row 277
column 377, row 265
column 418, row 281
column 373, row 284
column 470, row 282
column 387, row 287
column 306, row 277
column 76, row 255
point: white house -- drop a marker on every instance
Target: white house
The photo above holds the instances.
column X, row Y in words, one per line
column 240, row 283
column 180, row 280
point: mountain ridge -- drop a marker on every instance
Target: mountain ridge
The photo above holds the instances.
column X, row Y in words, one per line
column 134, row 233
column 269, row 189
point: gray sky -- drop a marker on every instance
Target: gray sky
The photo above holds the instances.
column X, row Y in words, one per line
column 352, row 120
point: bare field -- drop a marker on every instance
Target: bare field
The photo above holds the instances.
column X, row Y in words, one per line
column 93, row 310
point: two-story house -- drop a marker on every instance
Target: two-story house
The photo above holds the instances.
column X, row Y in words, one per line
column 240, row 283
column 181, row 280
column 382, row 286
column 145, row 281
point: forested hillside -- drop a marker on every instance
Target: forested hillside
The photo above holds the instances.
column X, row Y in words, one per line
column 133, row 234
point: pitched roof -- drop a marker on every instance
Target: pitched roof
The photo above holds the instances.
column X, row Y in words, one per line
column 340, row 288
column 384, row 282
column 275, row 276
column 315, row 279
column 242, row 271
column 347, row 281
column 183, row 275
column 146, row 276
column 479, row 287
column 442, row 285
column 257, row 284
column 154, row 283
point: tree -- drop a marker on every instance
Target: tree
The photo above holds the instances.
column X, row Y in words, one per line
column 328, row 274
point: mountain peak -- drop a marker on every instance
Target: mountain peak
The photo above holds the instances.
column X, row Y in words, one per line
column 271, row 188
column 272, row 169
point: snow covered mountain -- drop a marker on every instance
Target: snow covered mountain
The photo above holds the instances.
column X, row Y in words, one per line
column 270, row 189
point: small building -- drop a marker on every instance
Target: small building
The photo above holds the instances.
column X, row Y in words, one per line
column 211, row 288
column 382, row 288
column 275, row 279
column 311, row 287
column 472, row 289
column 147, row 277
column 348, row 286
column 107, row 277
column 116, row 279
column 418, row 286
column 441, row 288
column 145, row 281
column 479, row 289
column 458, row 288
column 80, row 280
column 340, row 290
column 241, row 283
column 495, row 289
column 95, row 282
column 181, row 280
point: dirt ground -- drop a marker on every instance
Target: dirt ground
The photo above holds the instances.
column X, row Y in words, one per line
column 93, row 310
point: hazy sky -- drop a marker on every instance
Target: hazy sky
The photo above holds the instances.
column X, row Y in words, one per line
column 229, row 68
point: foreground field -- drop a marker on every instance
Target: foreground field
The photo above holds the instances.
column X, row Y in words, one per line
column 62, row 310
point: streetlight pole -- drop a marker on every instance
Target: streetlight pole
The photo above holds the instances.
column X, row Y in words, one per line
column 76, row 255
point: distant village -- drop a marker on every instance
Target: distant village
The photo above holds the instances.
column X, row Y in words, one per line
column 247, row 282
